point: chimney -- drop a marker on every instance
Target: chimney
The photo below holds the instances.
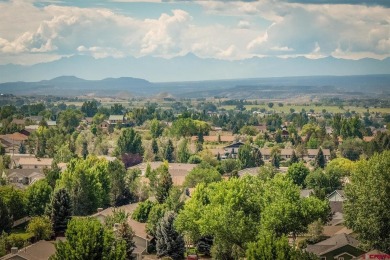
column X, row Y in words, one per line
column 14, row 250
column 99, row 210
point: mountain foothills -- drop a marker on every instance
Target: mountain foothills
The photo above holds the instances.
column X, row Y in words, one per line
column 84, row 176
column 273, row 88
column 191, row 68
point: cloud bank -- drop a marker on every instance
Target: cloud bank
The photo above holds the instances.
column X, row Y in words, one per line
column 31, row 33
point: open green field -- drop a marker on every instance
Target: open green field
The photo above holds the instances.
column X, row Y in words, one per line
column 332, row 109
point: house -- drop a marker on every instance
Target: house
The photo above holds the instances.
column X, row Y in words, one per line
column 102, row 214
column 51, row 123
column 337, row 195
column 312, row 153
column 41, row 250
column 339, row 247
column 261, row 128
column 24, row 176
column 34, row 163
column 266, row 153
column 11, row 142
column 18, row 122
column 215, row 138
column 141, row 238
column 178, row 171
column 233, row 149
column 368, row 139
column 285, row 134
column 254, row 171
column 116, row 119
column 35, row 119
column 286, row 153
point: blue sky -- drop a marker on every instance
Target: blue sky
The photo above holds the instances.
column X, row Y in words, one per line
column 33, row 31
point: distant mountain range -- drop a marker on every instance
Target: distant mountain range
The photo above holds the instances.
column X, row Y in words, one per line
column 272, row 88
column 191, row 68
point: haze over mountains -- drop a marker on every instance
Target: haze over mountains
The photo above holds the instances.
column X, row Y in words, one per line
column 190, row 68
column 272, row 88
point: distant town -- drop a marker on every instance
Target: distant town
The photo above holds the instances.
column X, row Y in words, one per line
column 173, row 178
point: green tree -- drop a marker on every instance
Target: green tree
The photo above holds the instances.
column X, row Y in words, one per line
column 126, row 233
column 60, row 210
column 129, row 142
column 275, row 160
column 320, row 160
column 156, row 214
column 22, row 148
column 52, row 175
column 154, row 146
column 269, row 246
column 38, row 196
column 40, row 227
column 89, row 108
column 367, row 209
column 298, row 172
column 87, row 238
column 351, row 149
column 183, row 152
column 15, row 200
column 168, row 151
column 141, row 213
column 5, row 217
column 156, row 128
column 245, row 155
column 201, row 174
column 323, row 182
column 294, row 158
column 164, row 182
column 168, row 241
column 230, row 165
column 69, row 119
column 88, row 184
column 119, row 193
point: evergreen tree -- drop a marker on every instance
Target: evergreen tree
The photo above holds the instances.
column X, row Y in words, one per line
column 275, row 160
column 294, row 158
column 61, row 210
column 155, row 146
column 183, row 153
column 127, row 235
column 169, row 242
column 258, row 157
column 84, row 151
column 320, row 159
column 129, row 142
column 5, row 218
column 22, row 148
column 168, row 153
column 164, row 182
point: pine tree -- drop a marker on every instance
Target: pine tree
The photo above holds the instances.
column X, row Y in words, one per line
column 204, row 245
column 294, row 158
column 22, row 148
column 320, row 159
column 275, row 160
column 168, row 153
column 169, row 241
column 127, row 234
column 258, row 157
column 155, row 146
column 164, row 183
column 61, row 210
column 5, row 218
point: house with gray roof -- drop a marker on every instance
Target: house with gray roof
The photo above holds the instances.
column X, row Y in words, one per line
column 339, row 247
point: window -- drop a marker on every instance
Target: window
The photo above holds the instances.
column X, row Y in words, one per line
column 340, row 258
column 323, row 258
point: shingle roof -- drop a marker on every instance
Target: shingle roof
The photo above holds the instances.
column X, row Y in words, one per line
column 41, row 250
column 332, row 243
